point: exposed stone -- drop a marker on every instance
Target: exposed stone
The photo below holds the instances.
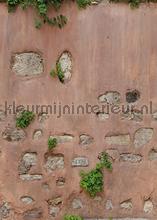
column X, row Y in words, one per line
column 132, row 158
column 77, row 203
column 119, row 139
column 35, row 213
column 28, row 160
column 55, row 201
column 65, row 61
column 42, row 117
column 132, row 96
column 4, row 210
column 31, row 177
column 13, row 134
column 27, row 64
column 134, row 115
column 37, row 134
column 54, row 162
column 113, row 153
column 60, row 181
column 148, row 206
column 102, row 116
column 152, row 154
column 111, row 97
column 27, row 199
column 97, row 198
column 45, row 186
column 154, row 115
column 142, row 136
column 85, row 139
column 54, row 210
column 63, row 138
column 80, row 162
column 2, row 115
column 126, row 204
column 109, row 205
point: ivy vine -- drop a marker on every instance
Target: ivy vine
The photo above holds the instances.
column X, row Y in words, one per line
column 42, row 7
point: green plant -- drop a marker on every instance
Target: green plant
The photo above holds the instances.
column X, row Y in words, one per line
column 58, row 72
column 72, row 217
column 24, row 119
column 92, row 181
column 52, row 143
column 42, row 7
column 105, row 161
column 83, row 3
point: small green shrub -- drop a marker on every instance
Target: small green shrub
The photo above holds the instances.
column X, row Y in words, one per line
column 105, row 161
column 72, row 217
column 24, row 119
column 42, row 7
column 83, row 3
column 92, row 181
column 52, row 143
column 58, row 72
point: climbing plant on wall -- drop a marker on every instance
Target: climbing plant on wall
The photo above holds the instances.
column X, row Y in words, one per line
column 42, row 7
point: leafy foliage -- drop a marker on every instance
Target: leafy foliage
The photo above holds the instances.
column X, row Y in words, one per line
column 24, row 119
column 52, row 143
column 132, row 3
column 42, row 7
column 83, row 3
column 58, row 72
column 105, row 161
column 92, row 181
column 72, row 217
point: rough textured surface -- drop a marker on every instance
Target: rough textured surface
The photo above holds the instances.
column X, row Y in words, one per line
column 54, row 162
column 28, row 160
column 142, row 136
column 85, row 139
column 102, row 116
column 132, row 158
column 80, row 162
column 110, row 97
column 121, row 139
column 148, row 206
column 65, row 61
column 35, row 213
column 63, row 138
column 77, row 204
column 114, row 48
column 126, row 204
column 13, row 134
column 27, row 64
column 26, row 199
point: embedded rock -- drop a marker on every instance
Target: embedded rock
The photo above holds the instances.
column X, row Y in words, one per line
column 80, row 162
column 28, row 160
column 142, row 136
column 85, row 139
column 54, row 162
column 35, row 213
column 111, row 97
column 65, row 62
column 13, row 134
column 132, row 158
column 31, row 177
column 63, row 138
column 77, row 204
column 119, row 139
column 27, row 64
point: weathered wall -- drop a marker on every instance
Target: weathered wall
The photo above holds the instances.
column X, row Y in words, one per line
column 113, row 48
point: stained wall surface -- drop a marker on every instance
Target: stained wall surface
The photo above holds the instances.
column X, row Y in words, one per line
column 114, row 50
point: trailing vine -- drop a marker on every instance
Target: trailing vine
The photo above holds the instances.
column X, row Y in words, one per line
column 42, row 7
